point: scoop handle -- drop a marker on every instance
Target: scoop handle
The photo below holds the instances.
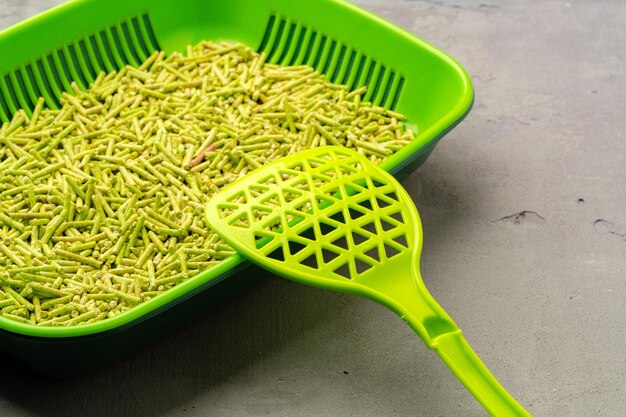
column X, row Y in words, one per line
column 412, row 301
column 459, row 356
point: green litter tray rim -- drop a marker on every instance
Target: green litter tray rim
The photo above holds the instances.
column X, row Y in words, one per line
column 425, row 141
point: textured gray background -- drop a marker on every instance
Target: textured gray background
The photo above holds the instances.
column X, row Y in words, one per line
column 541, row 296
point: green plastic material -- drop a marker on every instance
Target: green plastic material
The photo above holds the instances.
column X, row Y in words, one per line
column 329, row 218
column 73, row 42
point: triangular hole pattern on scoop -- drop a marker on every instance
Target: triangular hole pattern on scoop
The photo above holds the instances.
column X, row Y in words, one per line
column 397, row 216
column 356, row 214
column 329, row 255
column 301, row 184
column 323, row 202
column 382, row 203
column 270, row 180
column 359, row 238
column 304, row 206
column 295, row 247
column 390, row 251
column 261, row 213
column 224, row 211
column 319, row 180
column 341, row 242
column 334, row 193
column 361, row 266
column 392, row 195
column 401, row 240
column 308, row 233
column 326, row 228
column 238, row 198
column 316, row 163
column 259, row 238
column 242, row 221
column 347, row 170
column 378, row 183
column 294, row 216
column 366, row 204
column 338, row 217
column 287, row 175
column 386, row 225
column 370, row 227
column 343, row 271
column 290, row 194
column 273, row 224
column 271, row 201
column 277, row 254
column 297, row 166
column 329, row 172
column 373, row 253
column 311, row 261
column 351, row 189
column 258, row 190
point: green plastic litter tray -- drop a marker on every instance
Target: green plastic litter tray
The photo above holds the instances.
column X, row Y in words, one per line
column 75, row 41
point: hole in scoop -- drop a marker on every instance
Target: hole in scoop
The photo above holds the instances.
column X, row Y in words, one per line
column 347, row 170
column 343, row 271
column 260, row 213
column 297, row 166
column 351, row 189
column 386, row 225
column 271, row 201
column 338, row 217
column 366, row 204
column 311, row 262
column 370, row 227
column 316, row 163
column 361, row 266
column 358, row 238
column 356, row 214
column 373, row 253
column 342, row 242
column 304, row 206
column 291, row 194
column 287, row 175
column 261, row 240
column 294, row 217
column 243, row 221
column 277, row 255
column 334, row 193
column 273, row 225
column 269, row 180
column 308, row 233
column 323, row 202
column 397, row 216
column 257, row 190
column 401, row 240
column 382, row 203
column 392, row 195
column 238, row 198
column 295, row 247
column 225, row 211
column 326, row 228
column 390, row 252
column 329, row 255
column 302, row 185
column 330, row 172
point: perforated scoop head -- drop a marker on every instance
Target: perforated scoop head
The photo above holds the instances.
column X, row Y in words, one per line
column 325, row 214
column 328, row 217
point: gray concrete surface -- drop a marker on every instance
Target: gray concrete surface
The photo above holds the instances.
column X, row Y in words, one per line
column 524, row 211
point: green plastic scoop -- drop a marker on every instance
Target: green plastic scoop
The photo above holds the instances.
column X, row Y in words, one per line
column 329, row 218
